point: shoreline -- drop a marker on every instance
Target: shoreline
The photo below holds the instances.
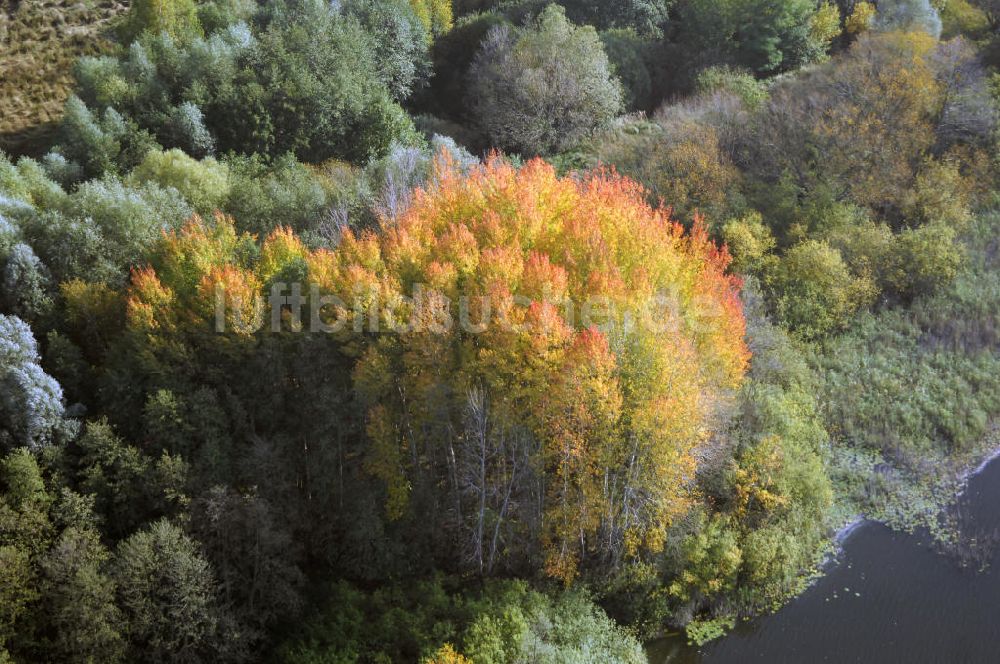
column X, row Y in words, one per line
column 960, row 480
column 963, row 478
column 845, row 531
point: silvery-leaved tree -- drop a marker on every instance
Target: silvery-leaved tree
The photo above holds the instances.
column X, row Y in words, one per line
column 31, row 406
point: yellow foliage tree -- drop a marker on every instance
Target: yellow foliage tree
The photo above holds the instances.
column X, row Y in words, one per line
column 861, row 18
column 436, row 15
column 446, row 654
column 545, row 351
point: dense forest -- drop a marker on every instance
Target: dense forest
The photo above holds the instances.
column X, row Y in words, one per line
column 492, row 331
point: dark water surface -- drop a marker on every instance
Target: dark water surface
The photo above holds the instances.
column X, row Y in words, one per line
column 889, row 597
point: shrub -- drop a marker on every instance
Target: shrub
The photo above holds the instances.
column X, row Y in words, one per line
column 204, row 184
column 752, row 92
column 750, row 241
column 923, row 260
column 815, row 293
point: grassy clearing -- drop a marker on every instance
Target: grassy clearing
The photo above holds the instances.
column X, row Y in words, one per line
column 39, row 41
column 911, row 396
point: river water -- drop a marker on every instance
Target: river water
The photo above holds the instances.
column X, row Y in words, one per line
column 888, row 597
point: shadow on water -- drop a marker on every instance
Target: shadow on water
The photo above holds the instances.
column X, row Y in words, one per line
column 891, row 597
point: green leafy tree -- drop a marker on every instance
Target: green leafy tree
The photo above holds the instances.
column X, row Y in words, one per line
column 629, row 55
column 710, row 557
column 646, row 17
column 263, row 197
column 24, row 283
column 215, row 15
column 452, row 56
column 253, row 553
column 542, row 88
column 908, row 16
column 204, row 184
column 167, row 595
column 101, row 142
column 764, row 36
column 25, row 531
column 992, row 10
column 177, row 18
column 401, row 42
column 311, row 92
column 18, row 590
column 78, row 600
column 117, row 475
column 308, row 78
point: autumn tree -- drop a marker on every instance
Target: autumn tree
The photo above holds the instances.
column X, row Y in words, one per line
column 532, row 351
column 680, row 160
column 436, row 15
column 610, row 394
column 870, row 115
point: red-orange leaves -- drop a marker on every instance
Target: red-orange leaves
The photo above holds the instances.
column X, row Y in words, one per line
column 149, row 306
column 187, row 255
column 540, row 351
column 532, row 265
column 720, row 310
column 235, row 295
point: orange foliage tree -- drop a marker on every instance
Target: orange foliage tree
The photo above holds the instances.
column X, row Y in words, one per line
column 538, row 356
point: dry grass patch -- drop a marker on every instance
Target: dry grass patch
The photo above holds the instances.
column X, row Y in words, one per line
column 39, row 42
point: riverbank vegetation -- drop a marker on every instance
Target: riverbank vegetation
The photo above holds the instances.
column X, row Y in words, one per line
column 460, row 434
